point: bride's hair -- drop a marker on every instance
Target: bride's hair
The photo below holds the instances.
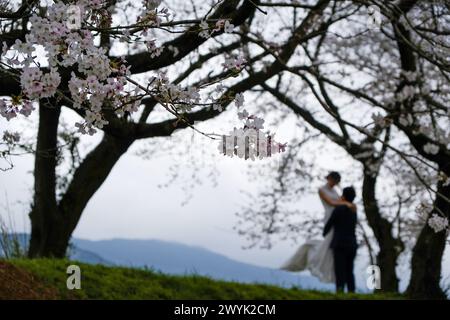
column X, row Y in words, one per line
column 334, row 175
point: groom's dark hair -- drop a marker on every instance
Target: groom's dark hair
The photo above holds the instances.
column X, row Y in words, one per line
column 349, row 194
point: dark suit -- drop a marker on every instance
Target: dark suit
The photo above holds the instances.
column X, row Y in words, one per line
column 344, row 245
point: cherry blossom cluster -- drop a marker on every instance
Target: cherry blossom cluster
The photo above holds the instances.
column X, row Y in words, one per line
column 10, row 109
column 36, row 84
column 94, row 82
column 154, row 50
column 62, row 46
column 8, row 143
column 98, row 81
column 152, row 16
column 438, row 223
column 11, row 137
column 234, row 63
column 444, row 179
column 100, row 95
column 435, row 221
column 182, row 99
column 431, row 148
column 222, row 24
column 417, row 116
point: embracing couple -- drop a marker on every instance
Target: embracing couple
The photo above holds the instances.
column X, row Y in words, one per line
column 331, row 259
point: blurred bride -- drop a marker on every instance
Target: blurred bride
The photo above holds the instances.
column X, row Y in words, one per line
column 316, row 255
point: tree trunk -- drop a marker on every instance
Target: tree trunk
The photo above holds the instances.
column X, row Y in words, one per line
column 389, row 246
column 52, row 222
column 427, row 255
column 428, row 251
column 44, row 216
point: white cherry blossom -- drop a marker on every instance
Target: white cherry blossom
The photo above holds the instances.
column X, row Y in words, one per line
column 438, row 223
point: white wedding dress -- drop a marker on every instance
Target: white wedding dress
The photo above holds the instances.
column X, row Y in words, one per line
column 316, row 255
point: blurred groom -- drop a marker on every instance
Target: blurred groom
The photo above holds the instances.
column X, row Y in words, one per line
column 344, row 245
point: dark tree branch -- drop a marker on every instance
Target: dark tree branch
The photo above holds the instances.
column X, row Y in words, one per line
column 190, row 40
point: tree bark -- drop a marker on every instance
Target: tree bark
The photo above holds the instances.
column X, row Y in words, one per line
column 428, row 251
column 43, row 215
column 389, row 246
column 52, row 222
column 427, row 255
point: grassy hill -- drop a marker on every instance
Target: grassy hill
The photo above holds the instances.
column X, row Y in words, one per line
column 101, row 282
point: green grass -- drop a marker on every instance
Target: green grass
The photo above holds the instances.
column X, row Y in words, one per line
column 101, row 282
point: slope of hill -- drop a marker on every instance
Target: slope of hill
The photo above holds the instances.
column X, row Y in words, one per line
column 16, row 283
column 101, row 282
column 176, row 258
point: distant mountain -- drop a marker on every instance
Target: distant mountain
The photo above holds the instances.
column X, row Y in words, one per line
column 181, row 259
column 176, row 258
column 86, row 256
